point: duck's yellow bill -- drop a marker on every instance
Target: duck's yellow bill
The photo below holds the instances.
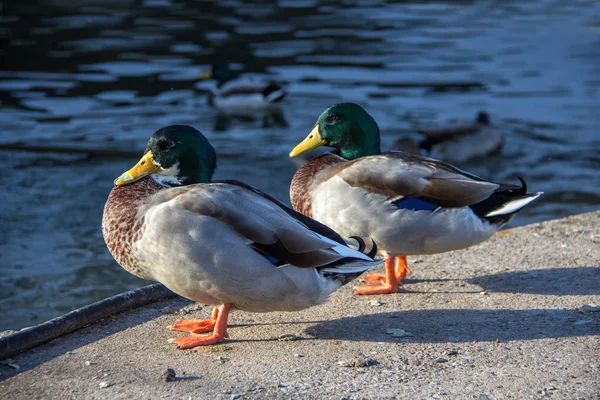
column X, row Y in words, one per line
column 312, row 141
column 144, row 167
column 205, row 74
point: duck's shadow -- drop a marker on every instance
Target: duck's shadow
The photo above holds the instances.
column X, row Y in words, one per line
column 458, row 325
column 469, row 325
column 553, row 281
column 472, row 325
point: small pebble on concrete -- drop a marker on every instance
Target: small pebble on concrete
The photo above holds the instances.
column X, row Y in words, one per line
column 359, row 362
column 400, row 333
column 170, row 375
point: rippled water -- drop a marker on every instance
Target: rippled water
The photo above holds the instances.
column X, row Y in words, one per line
column 108, row 73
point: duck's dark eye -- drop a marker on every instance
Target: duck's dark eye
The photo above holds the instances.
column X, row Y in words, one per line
column 170, row 143
column 332, row 118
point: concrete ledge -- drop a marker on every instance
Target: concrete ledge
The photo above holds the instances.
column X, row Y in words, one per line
column 513, row 317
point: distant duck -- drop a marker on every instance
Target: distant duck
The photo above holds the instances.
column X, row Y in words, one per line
column 240, row 93
column 456, row 142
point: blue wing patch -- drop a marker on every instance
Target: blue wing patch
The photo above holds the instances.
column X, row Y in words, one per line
column 270, row 258
column 411, row 203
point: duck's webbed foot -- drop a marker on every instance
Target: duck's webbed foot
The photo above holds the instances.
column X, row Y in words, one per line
column 395, row 271
column 217, row 325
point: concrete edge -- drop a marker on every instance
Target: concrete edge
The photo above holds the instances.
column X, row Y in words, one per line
column 28, row 338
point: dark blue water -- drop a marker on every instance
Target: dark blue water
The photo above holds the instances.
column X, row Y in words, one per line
column 108, row 73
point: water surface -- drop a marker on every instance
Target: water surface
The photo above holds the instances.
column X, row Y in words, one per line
column 109, row 73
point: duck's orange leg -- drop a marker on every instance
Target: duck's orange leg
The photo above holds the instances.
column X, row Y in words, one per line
column 373, row 277
column 219, row 332
column 196, row 325
column 402, row 268
column 395, row 271
column 401, row 271
column 388, row 285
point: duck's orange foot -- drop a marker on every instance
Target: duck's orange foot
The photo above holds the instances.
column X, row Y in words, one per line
column 190, row 342
column 400, row 271
column 376, row 289
column 196, row 325
column 193, row 325
column 377, row 278
column 387, row 283
column 217, row 324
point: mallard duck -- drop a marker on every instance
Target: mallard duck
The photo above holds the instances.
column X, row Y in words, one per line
column 407, row 203
column 222, row 243
column 236, row 93
column 458, row 142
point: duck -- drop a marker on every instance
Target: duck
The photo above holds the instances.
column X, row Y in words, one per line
column 456, row 143
column 407, row 203
column 222, row 243
column 236, row 93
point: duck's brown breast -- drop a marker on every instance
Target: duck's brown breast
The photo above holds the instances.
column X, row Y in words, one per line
column 121, row 224
column 305, row 178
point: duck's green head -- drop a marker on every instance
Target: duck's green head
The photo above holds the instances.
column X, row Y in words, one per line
column 176, row 155
column 346, row 127
column 220, row 72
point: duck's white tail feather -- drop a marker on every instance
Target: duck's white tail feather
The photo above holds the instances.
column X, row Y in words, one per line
column 514, row 205
column 355, row 262
column 353, row 267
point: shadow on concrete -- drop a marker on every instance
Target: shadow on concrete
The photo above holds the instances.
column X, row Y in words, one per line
column 460, row 325
column 555, row 281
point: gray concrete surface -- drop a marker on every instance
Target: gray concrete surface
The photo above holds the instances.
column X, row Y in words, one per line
column 507, row 319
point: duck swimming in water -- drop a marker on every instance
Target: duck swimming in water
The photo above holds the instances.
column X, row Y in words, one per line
column 456, row 143
column 236, row 93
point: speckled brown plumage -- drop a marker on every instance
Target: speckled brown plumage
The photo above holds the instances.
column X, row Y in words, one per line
column 301, row 186
column 121, row 226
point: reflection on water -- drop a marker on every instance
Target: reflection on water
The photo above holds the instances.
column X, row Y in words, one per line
column 110, row 73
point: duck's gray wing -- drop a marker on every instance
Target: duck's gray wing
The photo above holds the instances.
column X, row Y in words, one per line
column 264, row 225
column 399, row 174
column 312, row 224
